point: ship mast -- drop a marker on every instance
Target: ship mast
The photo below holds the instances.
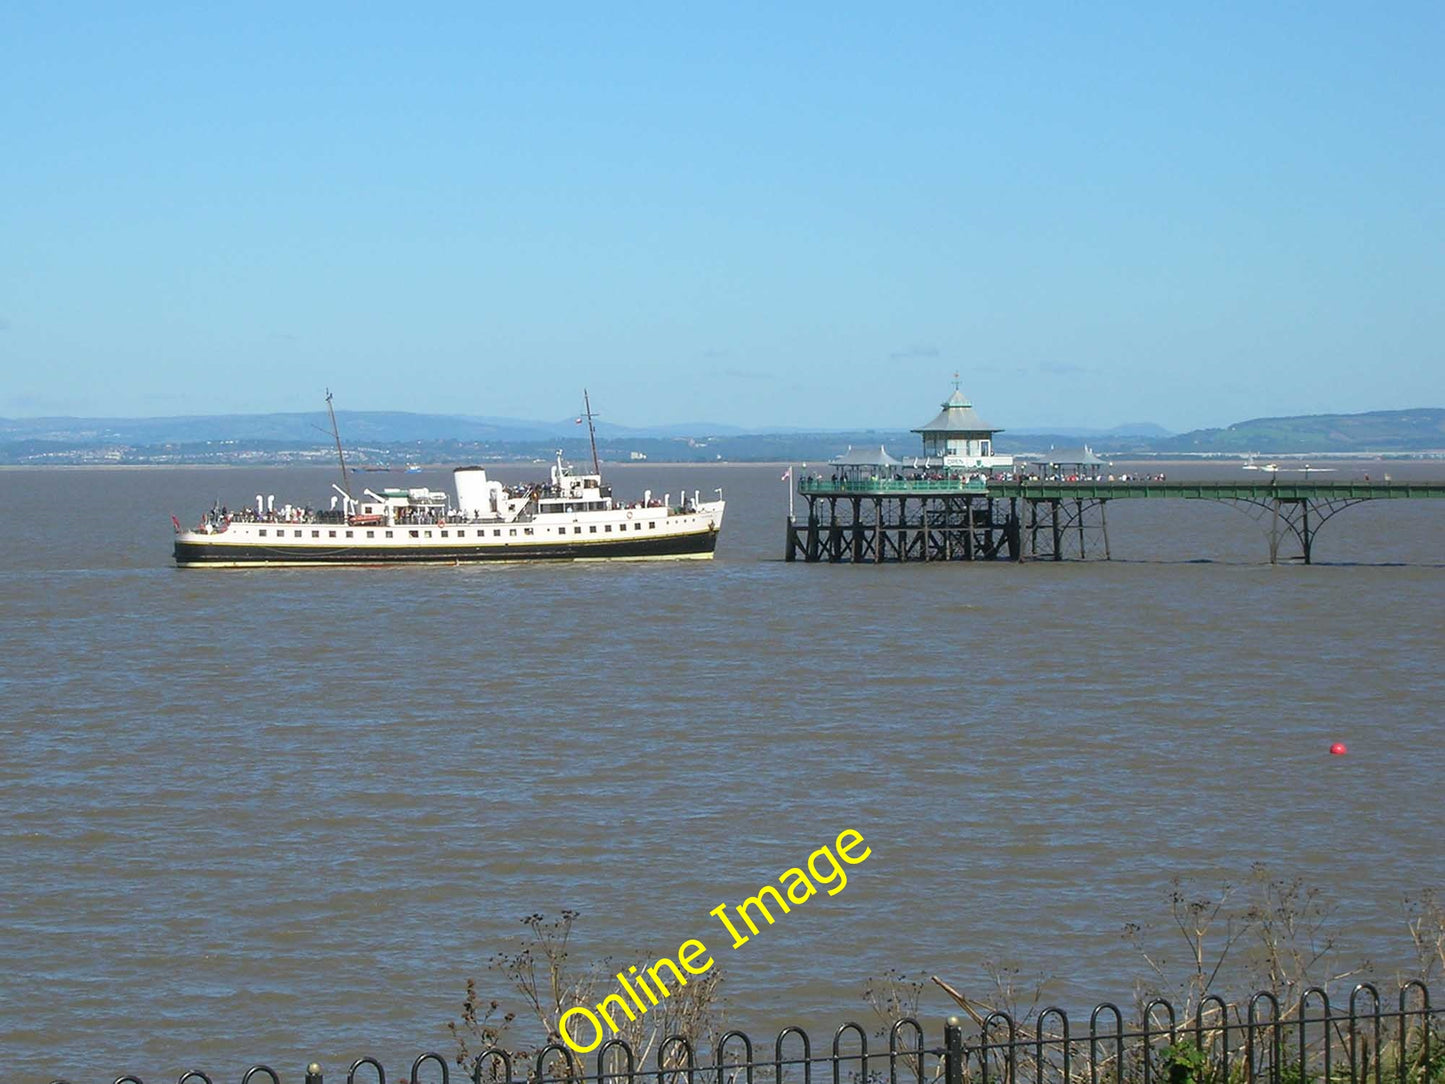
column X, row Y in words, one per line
column 591, row 432
column 345, row 482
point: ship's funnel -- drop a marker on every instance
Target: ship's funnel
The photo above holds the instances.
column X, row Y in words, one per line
column 473, row 496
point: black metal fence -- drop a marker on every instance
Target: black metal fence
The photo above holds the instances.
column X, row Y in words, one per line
column 1366, row 1041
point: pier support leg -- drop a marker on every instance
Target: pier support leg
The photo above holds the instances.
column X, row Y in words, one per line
column 1104, row 526
column 1304, row 533
column 1058, row 532
column 968, row 529
column 790, row 552
column 1079, row 508
column 1274, row 535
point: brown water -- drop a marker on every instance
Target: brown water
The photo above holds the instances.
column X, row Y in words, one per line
column 283, row 814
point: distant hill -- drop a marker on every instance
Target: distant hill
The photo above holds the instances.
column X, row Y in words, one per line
column 1131, row 429
column 396, row 438
column 1374, row 431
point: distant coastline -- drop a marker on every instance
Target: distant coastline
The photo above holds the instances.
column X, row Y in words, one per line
column 379, row 439
column 1166, row 462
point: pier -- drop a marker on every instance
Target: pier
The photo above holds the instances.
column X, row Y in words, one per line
column 868, row 521
column 960, row 501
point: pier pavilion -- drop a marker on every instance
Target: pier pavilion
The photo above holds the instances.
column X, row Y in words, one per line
column 864, row 465
column 958, row 439
column 1072, row 463
column 961, row 502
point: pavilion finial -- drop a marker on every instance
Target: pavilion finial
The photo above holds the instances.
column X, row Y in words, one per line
column 955, row 380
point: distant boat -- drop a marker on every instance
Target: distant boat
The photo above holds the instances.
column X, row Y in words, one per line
column 1275, row 468
column 412, row 468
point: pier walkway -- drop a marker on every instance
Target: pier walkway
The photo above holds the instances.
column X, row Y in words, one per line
column 868, row 520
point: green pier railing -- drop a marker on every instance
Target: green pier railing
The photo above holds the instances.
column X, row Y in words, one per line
column 1090, row 490
column 903, row 487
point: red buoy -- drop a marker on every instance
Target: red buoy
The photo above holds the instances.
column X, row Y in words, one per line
column 1339, row 749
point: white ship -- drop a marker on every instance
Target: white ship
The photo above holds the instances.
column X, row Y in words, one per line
column 572, row 517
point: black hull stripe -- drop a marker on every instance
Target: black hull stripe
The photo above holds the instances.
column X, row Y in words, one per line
column 210, row 553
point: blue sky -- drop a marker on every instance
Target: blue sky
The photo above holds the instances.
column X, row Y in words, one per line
column 771, row 215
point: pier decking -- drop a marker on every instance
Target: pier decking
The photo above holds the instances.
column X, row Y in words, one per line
column 870, row 520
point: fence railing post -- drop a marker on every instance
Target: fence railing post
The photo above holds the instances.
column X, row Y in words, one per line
column 313, row 1073
column 953, row 1051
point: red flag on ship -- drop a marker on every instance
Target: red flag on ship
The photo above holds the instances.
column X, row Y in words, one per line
column 176, row 523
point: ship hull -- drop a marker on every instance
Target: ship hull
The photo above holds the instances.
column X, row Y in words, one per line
column 215, row 552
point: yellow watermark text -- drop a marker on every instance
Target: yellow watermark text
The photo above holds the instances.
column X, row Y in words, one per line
column 666, row 976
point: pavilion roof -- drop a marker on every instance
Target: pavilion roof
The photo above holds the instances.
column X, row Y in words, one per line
column 865, row 457
column 1072, row 457
column 958, row 416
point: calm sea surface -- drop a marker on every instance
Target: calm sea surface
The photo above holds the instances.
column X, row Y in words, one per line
column 282, row 815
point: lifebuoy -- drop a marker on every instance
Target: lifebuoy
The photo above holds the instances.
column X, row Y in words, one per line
column 629, row 513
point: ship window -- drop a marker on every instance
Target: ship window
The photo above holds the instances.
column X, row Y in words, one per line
column 526, row 530
column 461, row 534
column 428, row 534
column 576, row 530
column 415, row 534
column 388, row 534
column 330, row 534
column 496, row 532
column 444, row 534
column 592, row 529
column 348, row 534
column 608, row 528
column 370, row 534
column 315, row 534
column 651, row 525
column 263, row 532
column 513, row 532
column 296, row 534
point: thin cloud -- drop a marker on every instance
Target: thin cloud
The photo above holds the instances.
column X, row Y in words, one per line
column 916, row 352
column 40, row 405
